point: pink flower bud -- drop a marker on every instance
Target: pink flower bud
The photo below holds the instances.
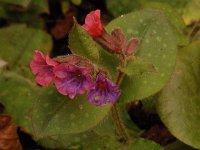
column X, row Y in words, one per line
column 93, row 23
column 131, row 47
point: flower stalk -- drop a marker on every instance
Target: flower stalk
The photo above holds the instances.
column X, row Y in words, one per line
column 118, row 122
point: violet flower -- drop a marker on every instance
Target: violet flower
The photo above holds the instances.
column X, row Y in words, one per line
column 103, row 91
column 72, row 80
column 42, row 66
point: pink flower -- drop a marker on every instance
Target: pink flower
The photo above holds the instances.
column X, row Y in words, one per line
column 72, row 80
column 93, row 23
column 42, row 66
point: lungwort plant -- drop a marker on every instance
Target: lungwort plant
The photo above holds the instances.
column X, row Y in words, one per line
column 79, row 100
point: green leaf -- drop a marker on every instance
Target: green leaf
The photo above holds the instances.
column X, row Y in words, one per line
column 149, row 104
column 18, row 44
column 104, row 143
column 79, row 140
column 48, row 115
column 178, row 104
column 30, row 14
column 178, row 146
column 76, row 2
column 17, row 95
column 174, row 19
column 191, row 12
column 111, row 143
column 39, row 5
column 142, row 144
column 132, row 129
column 73, row 141
column 55, row 114
column 138, row 66
column 23, row 3
column 82, row 44
column 118, row 8
column 109, row 62
column 3, row 13
column 158, row 46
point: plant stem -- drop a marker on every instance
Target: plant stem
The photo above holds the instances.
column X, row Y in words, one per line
column 120, row 127
column 119, row 124
column 195, row 30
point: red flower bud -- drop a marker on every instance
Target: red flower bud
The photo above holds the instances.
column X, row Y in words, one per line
column 93, row 23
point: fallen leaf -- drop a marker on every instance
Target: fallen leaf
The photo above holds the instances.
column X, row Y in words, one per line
column 9, row 139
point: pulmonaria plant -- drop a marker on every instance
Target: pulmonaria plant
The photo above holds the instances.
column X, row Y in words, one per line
column 108, row 66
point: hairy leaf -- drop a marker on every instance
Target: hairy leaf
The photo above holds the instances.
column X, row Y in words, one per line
column 138, row 66
column 111, row 143
column 18, row 44
column 157, row 46
column 82, row 44
column 178, row 104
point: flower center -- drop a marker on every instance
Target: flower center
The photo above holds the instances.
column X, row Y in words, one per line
column 102, row 85
column 78, row 76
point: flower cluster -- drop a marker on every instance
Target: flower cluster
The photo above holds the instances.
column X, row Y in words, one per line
column 71, row 80
column 114, row 42
column 74, row 76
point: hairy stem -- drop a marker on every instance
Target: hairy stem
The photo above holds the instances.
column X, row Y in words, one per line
column 120, row 127
column 121, row 130
column 195, row 30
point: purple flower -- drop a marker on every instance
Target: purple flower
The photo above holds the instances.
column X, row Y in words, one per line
column 103, row 91
column 42, row 66
column 72, row 80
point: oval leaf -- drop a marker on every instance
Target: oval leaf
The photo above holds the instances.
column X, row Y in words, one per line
column 16, row 47
column 157, row 46
column 138, row 66
column 142, row 144
column 82, row 44
column 55, row 114
column 178, row 104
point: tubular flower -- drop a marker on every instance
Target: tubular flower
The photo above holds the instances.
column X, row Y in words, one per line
column 103, row 91
column 72, row 80
column 93, row 23
column 42, row 66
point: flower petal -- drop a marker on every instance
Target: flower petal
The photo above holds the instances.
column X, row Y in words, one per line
column 104, row 91
column 42, row 66
column 93, row 23
column 72, row 80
